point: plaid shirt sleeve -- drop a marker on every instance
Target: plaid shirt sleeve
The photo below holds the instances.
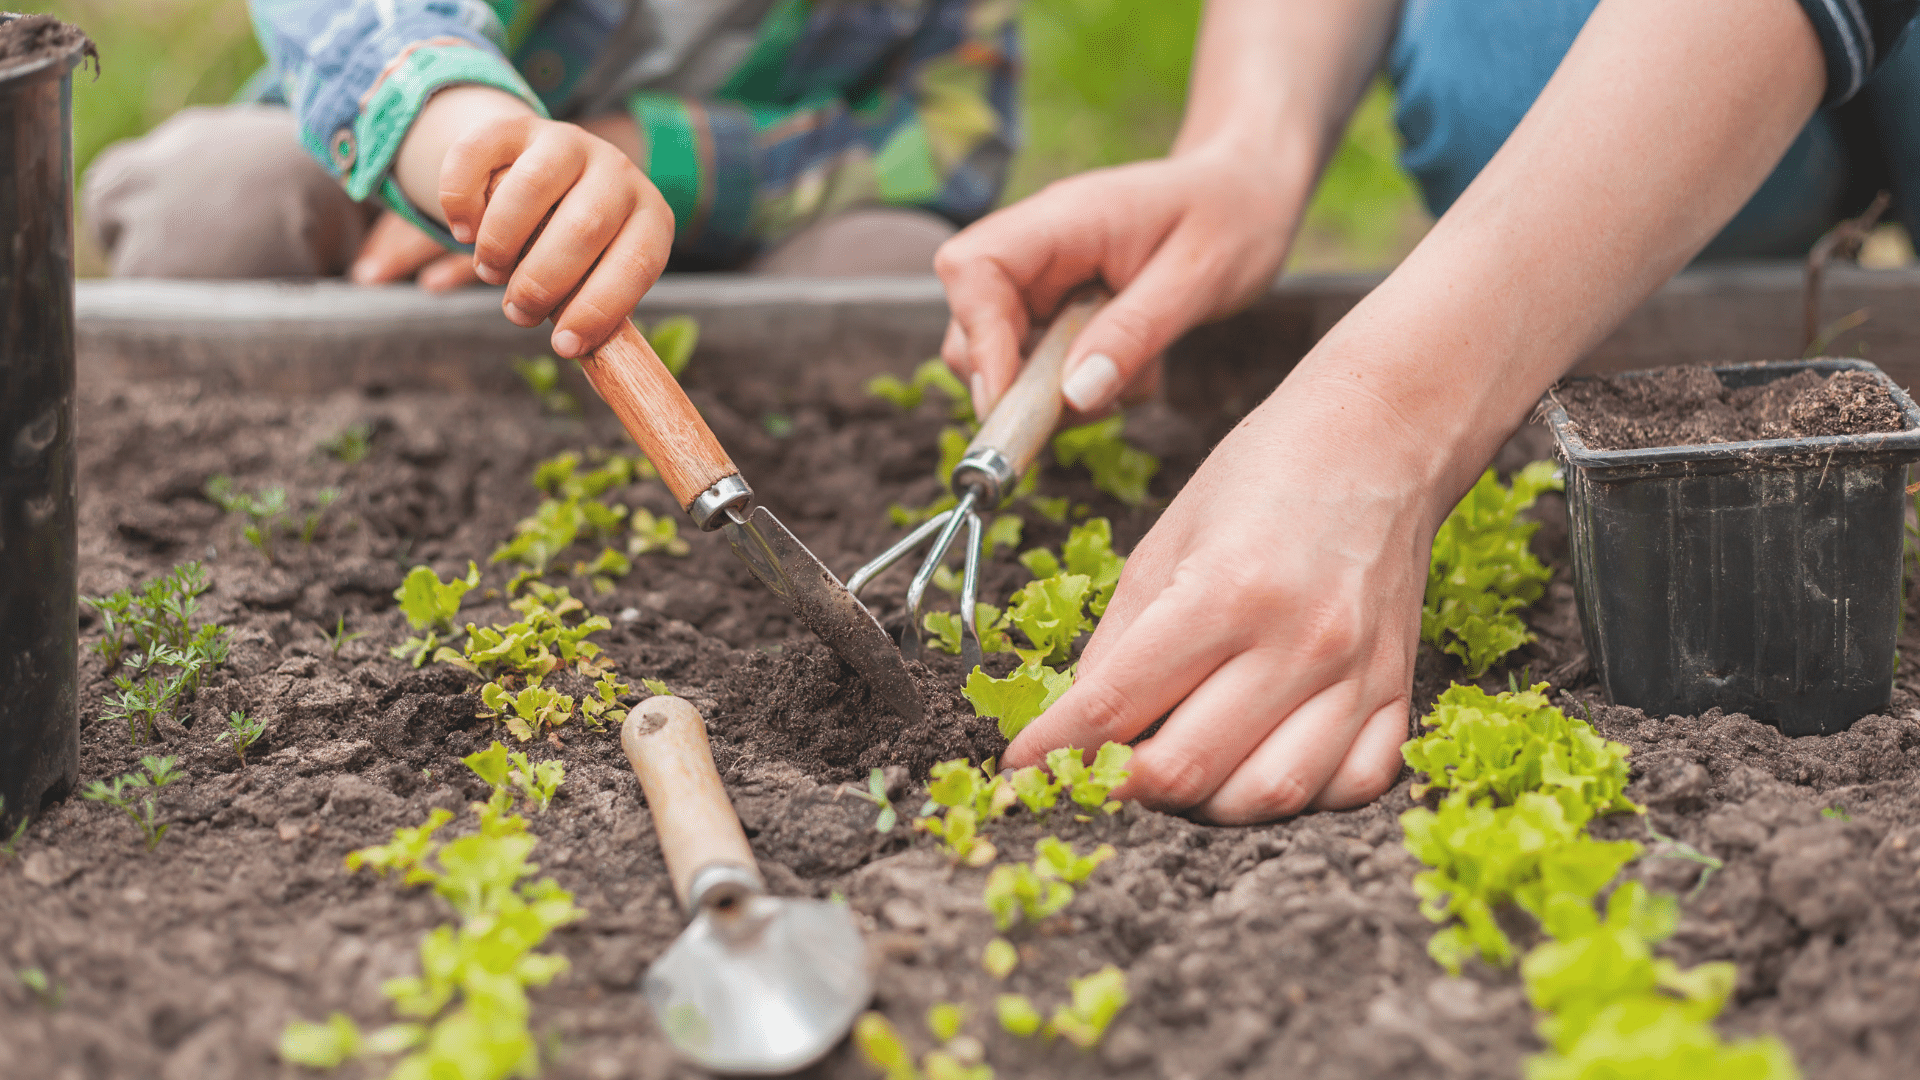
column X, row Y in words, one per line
column 839, row 105
column 357, row 73
column 1856, row 36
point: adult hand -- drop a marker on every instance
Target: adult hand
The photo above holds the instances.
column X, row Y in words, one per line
column 1275, row 611
column 1180, row 240
column 396, row 251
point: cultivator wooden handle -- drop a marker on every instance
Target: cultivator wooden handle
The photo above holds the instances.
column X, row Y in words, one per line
column 656, row 413
column 666, row 741
column 1025, row 418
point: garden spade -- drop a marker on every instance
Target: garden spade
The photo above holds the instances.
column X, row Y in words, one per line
column 1008, row 442
column 756, row 984
column 656, row 413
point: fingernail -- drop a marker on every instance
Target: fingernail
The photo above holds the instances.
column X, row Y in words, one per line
column 462, row 232
column 518, row 317
column 1091, row 383
column 490, row 275
column 979, row 387
column 567, row 344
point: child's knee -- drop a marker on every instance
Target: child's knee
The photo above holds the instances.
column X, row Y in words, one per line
column 220, row 193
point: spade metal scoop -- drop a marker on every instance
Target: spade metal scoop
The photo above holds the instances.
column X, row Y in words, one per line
column 1008, row 442
column 656, row 413
column 756, row 984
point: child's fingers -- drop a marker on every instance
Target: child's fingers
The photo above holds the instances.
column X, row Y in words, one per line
column 627, row 269
column 582, row 226
column 467, row 172
column 538, row 180
column 447, row 273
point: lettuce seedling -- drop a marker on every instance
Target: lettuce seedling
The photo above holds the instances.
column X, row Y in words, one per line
column 1089, row 785
column 120, row 794
column 1050, row 613
column 1017, row 700
column 1088, row 551
column 1017, row 1015
column 1035, row 789
column 1097, row 999
column 931, row 373
column 1482, row 572
column 657, row 687
column 603, row 707
column 538, row 539
column 883, row 1048
column 528, row 711
column 507, row 772
column 409, row 847
column 430, row 606
column 651, row 534
column 1053, row 508
column 321, row 1046
column 559, row 476
column 1015, row 890
column 944, row 1019
column 1119, row 469
column 673, row 340
column 1054, row 858
column 542, row 376
column 242, row 732
column 1500, row 746
column 946, row 628
column 999, row 958
column 876, row 794
column 960, row 836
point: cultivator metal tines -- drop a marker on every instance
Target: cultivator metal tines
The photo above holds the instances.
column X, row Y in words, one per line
column 1007, row 443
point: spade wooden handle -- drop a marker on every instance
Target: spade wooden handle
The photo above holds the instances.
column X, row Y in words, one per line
column 666, row 741
column 655, row 411
column 649, row 401
column 1025, row 418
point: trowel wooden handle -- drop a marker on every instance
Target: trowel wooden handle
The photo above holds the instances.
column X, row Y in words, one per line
column 649, row 402
column 1024, row 419
column 655, row 411
column 666, row 740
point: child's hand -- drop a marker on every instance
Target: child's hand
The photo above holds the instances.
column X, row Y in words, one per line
column 603, row 231
column 396, row 251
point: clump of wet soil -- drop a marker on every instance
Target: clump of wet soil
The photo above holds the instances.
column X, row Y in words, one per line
column 36, row 37
column 1690, row 406
column 1291, row 948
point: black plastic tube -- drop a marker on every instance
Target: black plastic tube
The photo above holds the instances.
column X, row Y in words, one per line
column 1759, row 577
column 39, row 616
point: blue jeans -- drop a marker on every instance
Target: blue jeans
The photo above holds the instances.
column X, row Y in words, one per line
column 1466, row 71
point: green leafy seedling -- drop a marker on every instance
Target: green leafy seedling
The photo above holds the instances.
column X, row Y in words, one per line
column 242, row 732
column 1117, row 468
column 876, row 794
column 1019, row 699
column 317, row 512
column 528, row 711
column 1089, row 552
column 262, row 509
column 11, row 846
column 1054, row 858
column 999, row 958
column 931, row 373
column 944, row 1019
column 959, row 833
column 1037, row 791
column 1680, row 849
column 1097, row 999
column 652, row 534
column 1017, row 1015
column 1014, row 891
column 351, row 444
column 542, row 376
column 883, row 1048
column 657, row 687
column 142, row 811
column 321, row 1046
column 339, row 637
column 1089, row 785
column 430, row 606
column 673, row 340
column 1482, row 572
column 41, row 985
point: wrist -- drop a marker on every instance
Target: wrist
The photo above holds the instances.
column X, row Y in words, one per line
column 446, row 117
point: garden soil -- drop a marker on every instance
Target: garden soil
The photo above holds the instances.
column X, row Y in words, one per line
column 1689, row 406
column 1291, row 949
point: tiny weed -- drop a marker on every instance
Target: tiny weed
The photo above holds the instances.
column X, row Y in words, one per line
column 340, row 637
column 11, row 846
column 351, row 444
column 1836, row 813
column 1680, row 849
column 242, row 732
column 121, row 795
column 41, row 985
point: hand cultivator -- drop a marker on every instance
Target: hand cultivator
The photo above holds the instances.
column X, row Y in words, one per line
column 756, row 984
column 1008, row 442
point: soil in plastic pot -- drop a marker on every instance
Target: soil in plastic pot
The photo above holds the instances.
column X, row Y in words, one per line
column 1690, row 406
column 1295, row 948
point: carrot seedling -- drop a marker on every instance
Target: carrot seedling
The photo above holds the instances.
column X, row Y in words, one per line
column 351, row 445
column 242, row 732
column 262, row 509
column 123, row 794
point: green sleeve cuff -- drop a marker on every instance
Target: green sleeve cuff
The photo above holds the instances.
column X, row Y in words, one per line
column 389, row 114
column 673, row 152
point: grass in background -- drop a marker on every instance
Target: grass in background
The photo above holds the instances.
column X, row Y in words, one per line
column 1105, row 83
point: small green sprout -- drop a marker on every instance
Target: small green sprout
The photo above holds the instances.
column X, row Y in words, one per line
column 947, row 628
column 1017, row 1015
column 317, row 512
column 1053, row 509
column 542, row 376
column 1680, row 849
column 883, row 1048
column 778, row 425
column 351, row 444
column 1097, row 999
column 946, row 1065
column 262, row 509
column 1054, row 858
column 1836, row 813
column 1035, row 789
column 507, row 772
column 161, row 677
column 876, row 794
column 1119, row 469
column 11, row 846
column 160, row 612
column 657, row 687
column 430, row 606
column 1003, row 532
column 673, row 340
column 603, row 707
column 1017, row 700
column 320, row 1046
column 1090, row 785
column 944, row 1019
column 242, row 732
column 41, row 985
column 527, row 711
column 959, row 834
column 339, row 637
column 651, row 534
column 120, row 795
column 1015, row 890
column 931, row 373
column 999, row 958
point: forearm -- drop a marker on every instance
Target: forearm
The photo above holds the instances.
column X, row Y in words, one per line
column 1660, row 123
column 1277, row 81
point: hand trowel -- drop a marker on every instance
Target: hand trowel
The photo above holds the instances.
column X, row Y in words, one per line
column 756, row 985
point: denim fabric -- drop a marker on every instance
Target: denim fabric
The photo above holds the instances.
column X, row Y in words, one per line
column 1466, row 71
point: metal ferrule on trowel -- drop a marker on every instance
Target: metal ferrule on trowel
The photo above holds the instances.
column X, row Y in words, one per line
column 756, row 984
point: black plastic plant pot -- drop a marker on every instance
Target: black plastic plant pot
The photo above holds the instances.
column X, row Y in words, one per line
column 39, row 721
column 1760, row 577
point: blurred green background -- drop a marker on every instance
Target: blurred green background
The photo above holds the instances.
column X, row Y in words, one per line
column 1105, row 82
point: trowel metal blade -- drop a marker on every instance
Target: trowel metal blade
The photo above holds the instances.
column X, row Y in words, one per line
column 784, row 565
column 767, row 993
